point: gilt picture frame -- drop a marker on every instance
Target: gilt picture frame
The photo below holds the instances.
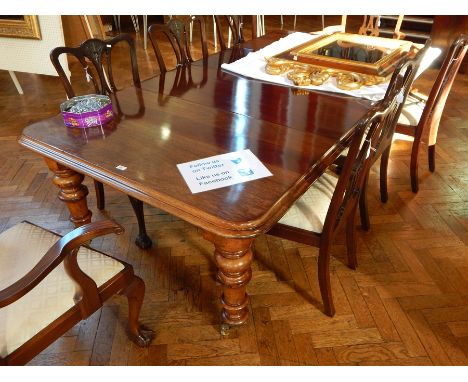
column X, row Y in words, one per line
column 392, row 51
column 353, row 60
column 22, row 26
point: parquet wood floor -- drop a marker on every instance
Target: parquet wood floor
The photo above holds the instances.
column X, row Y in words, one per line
column 406, row 304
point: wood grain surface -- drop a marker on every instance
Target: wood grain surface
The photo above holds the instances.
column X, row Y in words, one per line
column 411, row 279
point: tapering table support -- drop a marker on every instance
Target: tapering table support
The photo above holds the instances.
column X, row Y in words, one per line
column 72, row 192
column 233, row 258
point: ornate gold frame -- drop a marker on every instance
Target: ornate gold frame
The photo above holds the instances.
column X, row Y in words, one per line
column 305, row 68
column 26, row 28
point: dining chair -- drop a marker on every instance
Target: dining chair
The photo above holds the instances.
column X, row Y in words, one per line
column 421, row 114
column 332, row 198
column 49, row 283
column 95, row 57
column 235, row 29
column 176, row 32
column 410, row 69
column 370, row 26
column 98, row 53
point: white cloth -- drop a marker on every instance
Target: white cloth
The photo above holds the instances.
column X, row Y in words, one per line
column 253, row 66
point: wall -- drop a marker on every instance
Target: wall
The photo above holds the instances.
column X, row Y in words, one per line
column 32, row 56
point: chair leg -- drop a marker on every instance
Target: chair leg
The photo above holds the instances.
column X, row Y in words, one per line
column 363, row 208
column 100, row 199
column 191, row 32
column 431, row 157
column 143, row 240
column 135, row 23
column 324, row 280
column 351, row 243
column 145, row 32
column 135, row 292
column 383, row 175
column 414, row 166
column 215, row 34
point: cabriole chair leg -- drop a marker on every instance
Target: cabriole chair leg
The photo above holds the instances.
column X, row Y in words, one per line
column 142, row 240
column 135, row 293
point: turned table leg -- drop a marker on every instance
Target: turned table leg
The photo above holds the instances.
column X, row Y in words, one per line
column 72, row 192
column 233, row 258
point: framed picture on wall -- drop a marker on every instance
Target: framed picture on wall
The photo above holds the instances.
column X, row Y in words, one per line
column 21, row 26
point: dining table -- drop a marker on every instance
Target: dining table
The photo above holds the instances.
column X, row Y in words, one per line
column 198, row 111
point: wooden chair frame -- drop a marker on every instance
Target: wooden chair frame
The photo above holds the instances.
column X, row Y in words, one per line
column 370, row 26
column 92, row 52
column 176, row 32
column 407, row 71
column 235, row 26
column 430, row 118
column 373, row 137
column 89, row 298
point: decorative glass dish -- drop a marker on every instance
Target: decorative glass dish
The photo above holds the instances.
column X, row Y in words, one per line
column 87, row 111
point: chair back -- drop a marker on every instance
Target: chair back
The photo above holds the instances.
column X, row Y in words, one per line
column 235, row 26
column 443, row 84
column 175, row 32
column 404, row 75
column 373, row 135
column 95, row 57
column 370, row 26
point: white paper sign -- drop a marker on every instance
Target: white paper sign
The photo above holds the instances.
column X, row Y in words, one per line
column 222, row 170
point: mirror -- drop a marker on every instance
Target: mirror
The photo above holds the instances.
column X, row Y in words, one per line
column 353, row 60
column 20, row 27
column 358, row 53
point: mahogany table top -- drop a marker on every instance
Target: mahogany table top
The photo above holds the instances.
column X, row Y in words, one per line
column 295, row 134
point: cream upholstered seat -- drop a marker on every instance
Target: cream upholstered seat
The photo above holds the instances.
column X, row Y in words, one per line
column 310, row 210
column 412, row 110
column 49, row 283
column 21, row 247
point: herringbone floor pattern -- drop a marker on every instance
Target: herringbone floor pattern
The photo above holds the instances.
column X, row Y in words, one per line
column 406, row 304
